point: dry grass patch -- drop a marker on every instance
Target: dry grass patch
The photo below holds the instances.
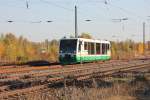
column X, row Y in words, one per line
column 137, row 89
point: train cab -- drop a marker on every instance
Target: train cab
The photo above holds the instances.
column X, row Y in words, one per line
column 68, row 50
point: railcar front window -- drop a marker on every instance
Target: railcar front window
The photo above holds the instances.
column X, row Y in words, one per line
column 68, row 46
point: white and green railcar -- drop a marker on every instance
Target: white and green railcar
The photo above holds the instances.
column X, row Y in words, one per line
column 76, row 50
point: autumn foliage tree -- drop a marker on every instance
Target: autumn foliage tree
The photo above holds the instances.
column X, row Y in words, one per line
column 20, row 49
column 86, row 35
column 53, row 50
column 125, row 49
column 2, row 49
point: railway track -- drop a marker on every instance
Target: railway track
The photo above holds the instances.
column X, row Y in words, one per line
column 54, row 72
column 32, row 70
column 66, row 71
column 40, row 88
column 80, row 73
column 14, row 74
column 27, row 68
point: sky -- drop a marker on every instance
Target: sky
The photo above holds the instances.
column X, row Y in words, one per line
column 31, row 22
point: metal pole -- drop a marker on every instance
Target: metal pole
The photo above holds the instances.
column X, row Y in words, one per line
column 143, row 37
column 76, row 24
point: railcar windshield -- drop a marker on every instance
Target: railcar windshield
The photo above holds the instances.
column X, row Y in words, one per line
column 68, row 46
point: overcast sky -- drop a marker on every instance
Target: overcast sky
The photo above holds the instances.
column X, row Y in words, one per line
column 31, row 22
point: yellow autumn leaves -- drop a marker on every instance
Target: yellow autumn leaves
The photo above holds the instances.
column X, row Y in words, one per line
column 19, row 49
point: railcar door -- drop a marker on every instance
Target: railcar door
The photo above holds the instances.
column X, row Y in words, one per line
column 80, row 48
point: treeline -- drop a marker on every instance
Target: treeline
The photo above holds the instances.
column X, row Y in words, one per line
column 127, row 49
column 13, row 49
column 20, row 49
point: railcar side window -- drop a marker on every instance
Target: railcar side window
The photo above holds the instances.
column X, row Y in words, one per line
column 104, row 48
column 108, row 46
column 89, row 48
column 92, row 49
column 85, row 46
column 98, row 48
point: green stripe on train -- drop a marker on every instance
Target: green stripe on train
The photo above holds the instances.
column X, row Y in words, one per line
column 77, row 59
column 92, row 58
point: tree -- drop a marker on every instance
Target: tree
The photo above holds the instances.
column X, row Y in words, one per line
column 85, row 35
column 54, row 50
column 2, row 49
column 10, row 42
column 140, row 48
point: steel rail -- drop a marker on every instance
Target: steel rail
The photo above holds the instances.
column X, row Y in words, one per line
column 21, row 74
column 11, row 75
column 70, row 72
column 19, row 69
column 101, row 73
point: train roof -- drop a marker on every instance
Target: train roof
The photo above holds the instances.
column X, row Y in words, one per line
column 88, row 40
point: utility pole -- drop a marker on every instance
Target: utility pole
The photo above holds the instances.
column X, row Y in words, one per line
column 76, row 23
column 143, row 37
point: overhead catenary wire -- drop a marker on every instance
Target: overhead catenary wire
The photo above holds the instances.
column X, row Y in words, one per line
column 62, row 7
column 56, row 5
column 84, row 14
column 123, row 10
column 19, row 4
column 106, row 2
column 126, row 11
column 15, row 21
column 65, row 8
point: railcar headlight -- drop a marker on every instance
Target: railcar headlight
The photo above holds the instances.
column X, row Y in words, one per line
column 60, row 51
column 74, row 52
column 72, row 55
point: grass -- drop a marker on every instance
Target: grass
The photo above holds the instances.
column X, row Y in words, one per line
column 136, row 89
